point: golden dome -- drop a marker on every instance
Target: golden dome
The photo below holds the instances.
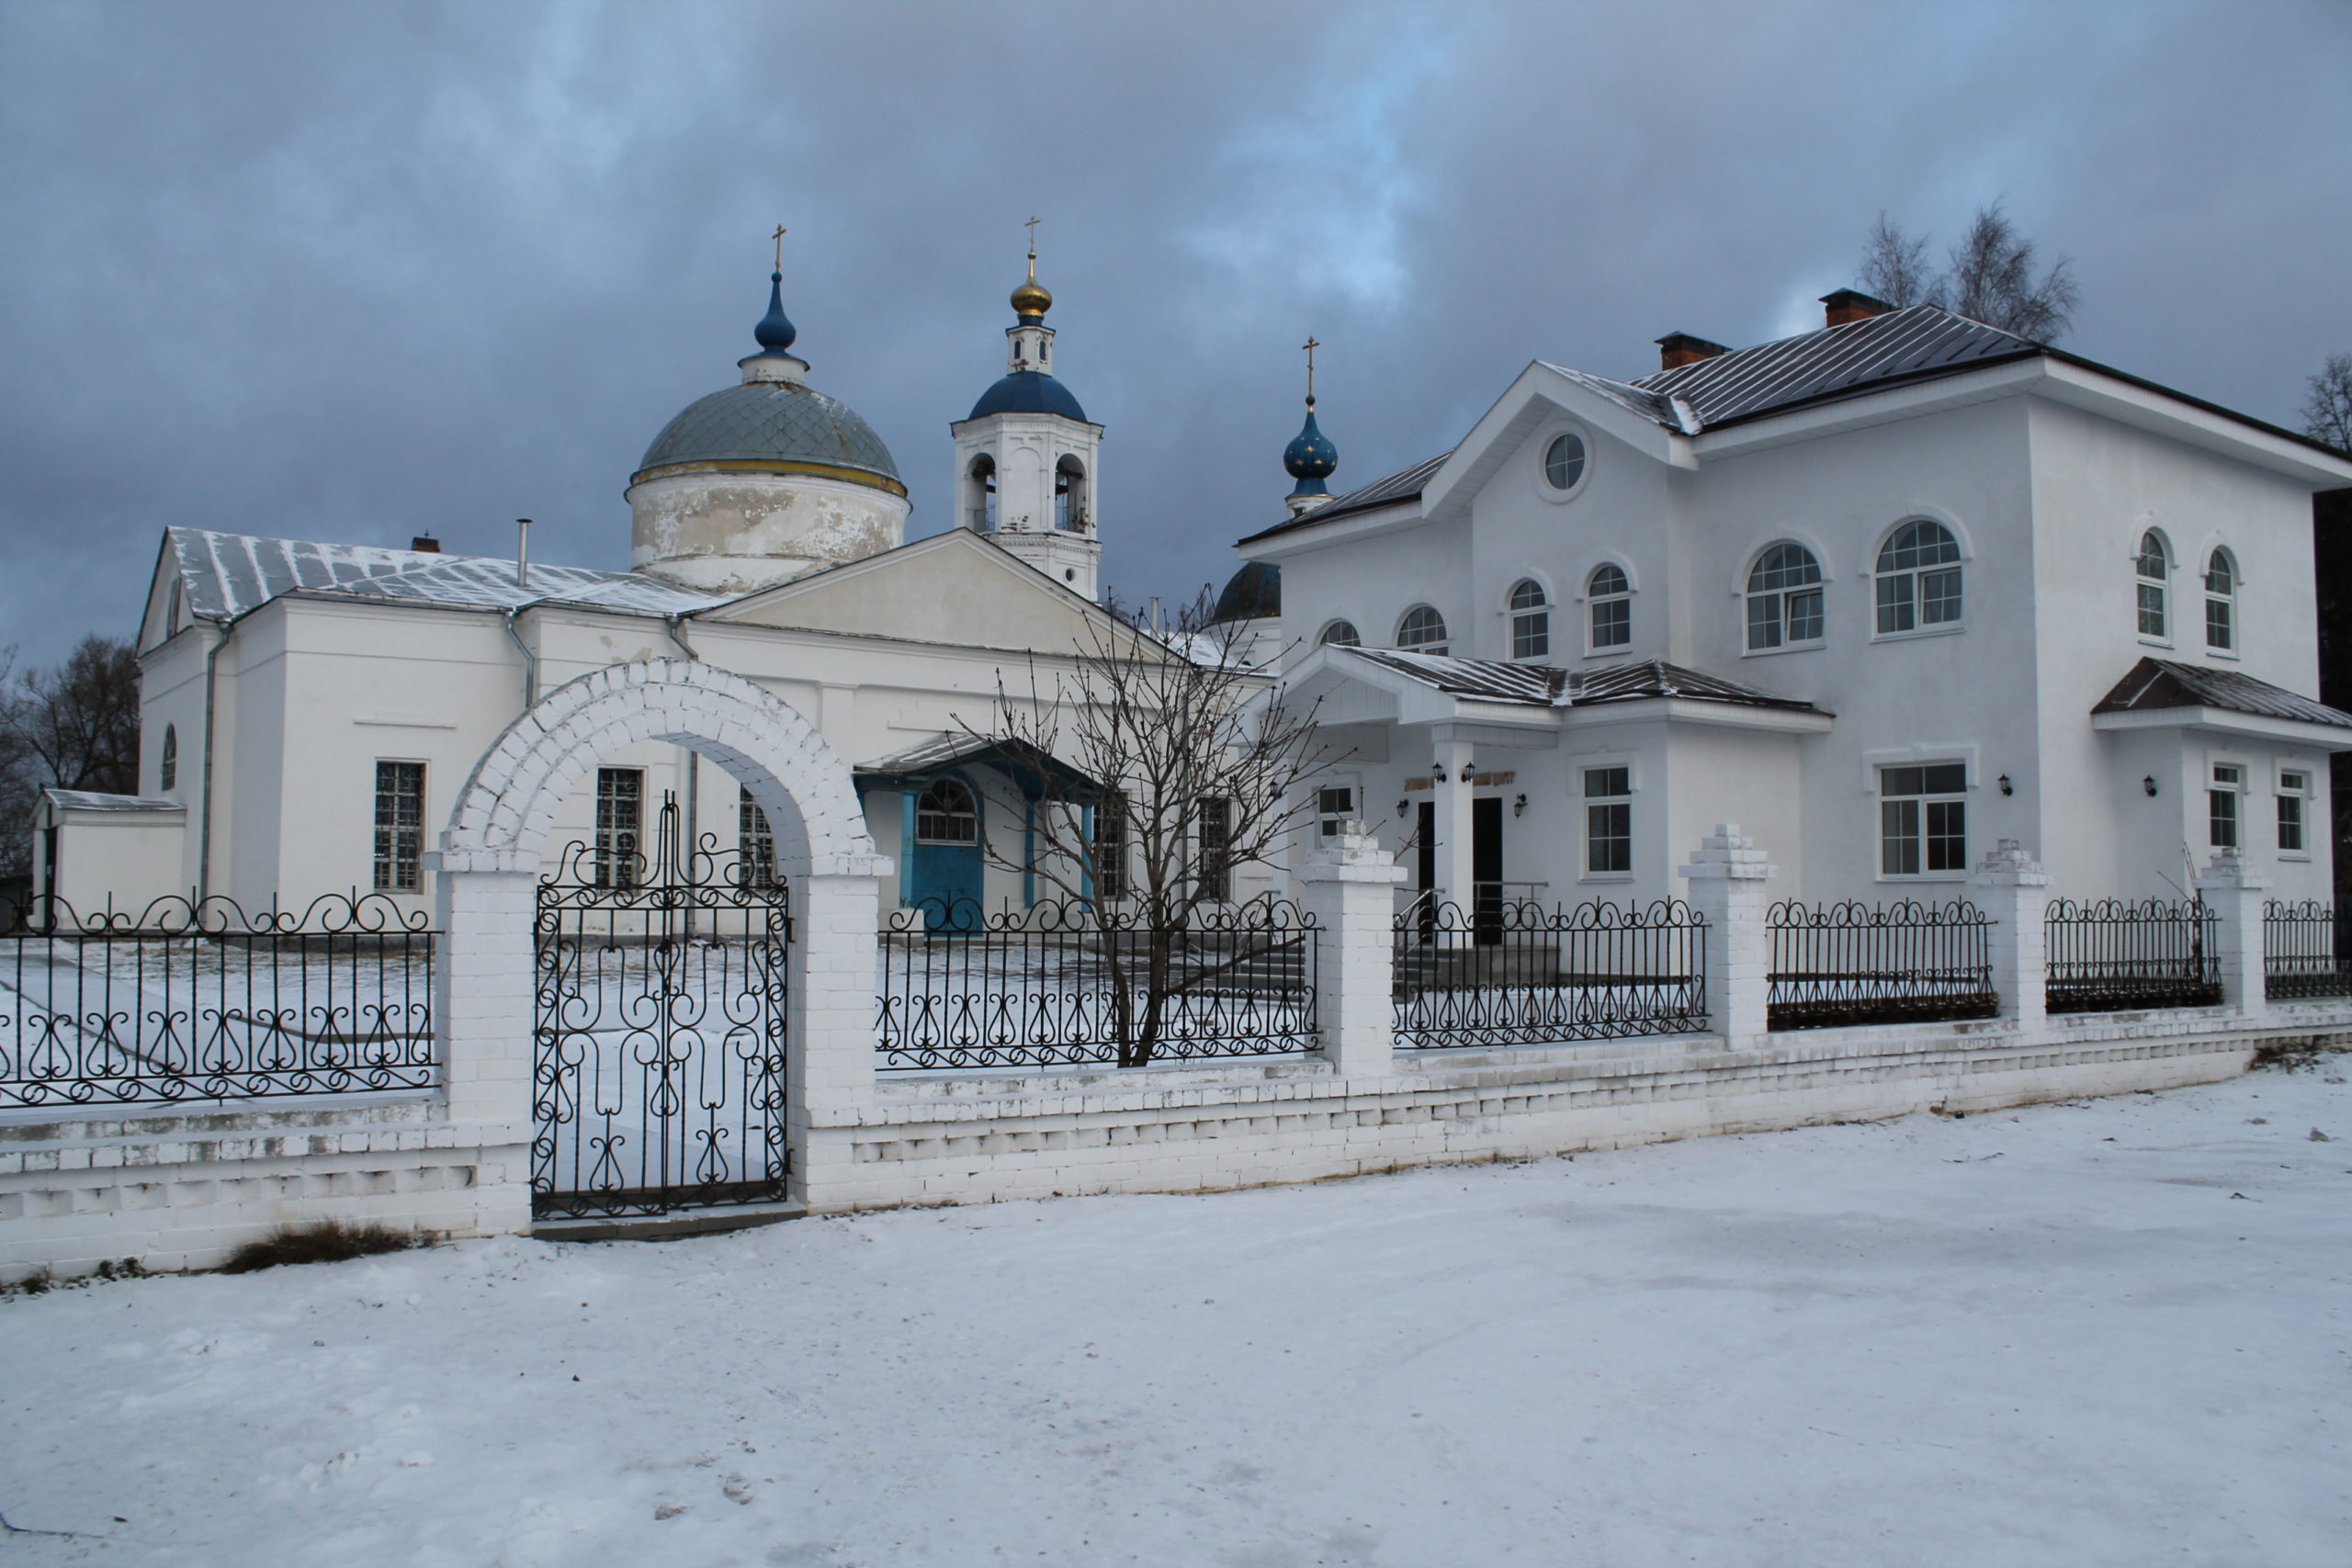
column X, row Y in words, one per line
column 1031, row 299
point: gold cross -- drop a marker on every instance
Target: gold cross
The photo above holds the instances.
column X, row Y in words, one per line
column 778, row 238
column 1310, row 345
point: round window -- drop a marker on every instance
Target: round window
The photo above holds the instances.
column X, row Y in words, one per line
column 1564, row 462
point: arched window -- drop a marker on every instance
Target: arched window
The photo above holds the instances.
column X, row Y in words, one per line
column 1069, row 495
column 1531, row 620
column 168, row 772
column 1918, row 578
column 981, row 501
column 1564, row 461
column 1341, row 634
column 1610, row 593
column 1784, row 598
column 1422, row 630
column 2156, row 579
column 2222, row 603
column 947, row 814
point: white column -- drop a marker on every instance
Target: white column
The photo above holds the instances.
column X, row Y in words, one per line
column 1454, row 867
column 2013, row 888
column 2236, row 893
column 830, row 1036
column 483, row 987
column 1348, row 886
column 1728, row 877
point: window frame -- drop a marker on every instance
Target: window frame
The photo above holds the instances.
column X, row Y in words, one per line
column 1541, row 471
column 1931, row 821
column 398, row 846
column 1438, row 647
column 982, row 511
column 1113, row 813
column 1329, row 819
column 929, row 835
column 1912, row 579
column 2159, row 586
column 1325, row 639
column 1516, row 614
column 2225, row 601
column 619, row 856
column 754, row 842
column 2295, row 790
column 1818, row 586
column 1213, row 852
column 1070, row 494
column 1614, row 809
column 2225, row 801
column 167, row 760
column 1615, row 599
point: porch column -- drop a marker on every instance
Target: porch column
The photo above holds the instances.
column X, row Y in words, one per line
column 2236, row 893
column 1451, row 792
column 2013, row 888
column 1346, row 885
column 1728, row 877
column 830, row 1021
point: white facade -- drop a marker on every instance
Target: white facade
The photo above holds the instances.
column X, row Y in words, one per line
column 2045, row 472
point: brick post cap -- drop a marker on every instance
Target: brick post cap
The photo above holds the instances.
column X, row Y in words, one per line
column 1726, row 853
column 2232, row 871
column 2007, row 865
column 1352, row 855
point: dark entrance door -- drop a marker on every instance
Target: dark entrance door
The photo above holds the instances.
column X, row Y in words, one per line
column 659, row 1068
column 1487, row 867
column 1425, row 863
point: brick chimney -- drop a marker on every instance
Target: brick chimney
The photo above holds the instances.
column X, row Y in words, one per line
column 1851, row 305
column 1677, row 349
column 426, row 543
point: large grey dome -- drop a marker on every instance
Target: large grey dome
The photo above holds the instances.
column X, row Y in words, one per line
column 777, row 421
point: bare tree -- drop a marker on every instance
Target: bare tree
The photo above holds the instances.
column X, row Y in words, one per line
column 80, row 720
column 1187, row 780
column 2327, row 411
column 1991, row 279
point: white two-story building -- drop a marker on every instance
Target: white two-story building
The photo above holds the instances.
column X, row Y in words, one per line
column 1882, row 595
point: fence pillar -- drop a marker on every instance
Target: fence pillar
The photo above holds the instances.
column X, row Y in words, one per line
column 1347, row 885
column 2013, row 888
column 1728, row 877
column 2236, row 893
column 829, row 1022
column 484, row 986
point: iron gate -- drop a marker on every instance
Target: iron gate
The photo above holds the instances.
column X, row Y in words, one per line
column 658, row 1075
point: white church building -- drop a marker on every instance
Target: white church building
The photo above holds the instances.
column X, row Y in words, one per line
column 1883, row 594
column 311, row 711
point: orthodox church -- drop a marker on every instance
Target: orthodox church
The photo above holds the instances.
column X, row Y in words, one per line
column 310, row 710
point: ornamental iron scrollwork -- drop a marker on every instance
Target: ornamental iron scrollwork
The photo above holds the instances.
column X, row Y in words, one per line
column 192, row 1000
column 2306, row 951
column 1066, row 983
column 1851, row 962
column 1516, row 972
column 659, row 1029
column 2124, row 954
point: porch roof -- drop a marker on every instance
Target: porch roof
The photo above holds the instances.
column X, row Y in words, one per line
column 1028, row 766
column 1537, row 685
column 93, row 800
column 2160, row 693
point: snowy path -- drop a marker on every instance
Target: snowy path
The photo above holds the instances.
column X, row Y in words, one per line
column 2054, row 1336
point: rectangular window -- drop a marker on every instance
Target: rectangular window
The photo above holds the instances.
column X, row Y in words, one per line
column 620, row 825
column 1805, row 616
column 2221, row 804
column 2218, row 630
column 1530, row 633
column 1334, row 806
column 399, row 826
column 1111, row 847
column 1923, row 820
column 1607, row 820
column 1215, row 843
column 757, row 864
column 1895, row 611
column 2151, row 609
column 1613, row 623
column 2290, row 815
column 1939, row 597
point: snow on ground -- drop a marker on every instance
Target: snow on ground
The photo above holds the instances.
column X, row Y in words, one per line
column 2110, row 1332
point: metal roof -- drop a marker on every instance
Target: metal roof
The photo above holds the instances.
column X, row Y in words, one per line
column 223, row 576
column 1027, row 766
column 770, row 421
column 2160, row 683
column 1253, row 594
column 1916, row 342
column 92, row 800
column 1404, row 484
column 1028, row 392
column 1537, row 685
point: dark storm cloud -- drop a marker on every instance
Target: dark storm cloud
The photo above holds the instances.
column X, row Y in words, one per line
column 354, row 273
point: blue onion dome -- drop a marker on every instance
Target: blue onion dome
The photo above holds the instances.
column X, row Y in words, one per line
column 776, row 331
column 1310, row 458
column 1253, row 594
column 1028, row 392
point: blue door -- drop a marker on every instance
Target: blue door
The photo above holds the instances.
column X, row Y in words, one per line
column 947, row 856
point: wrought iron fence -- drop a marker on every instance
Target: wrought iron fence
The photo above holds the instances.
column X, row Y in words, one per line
column 205, row 1000
column 2305, row 954
column 1518, row 973
column 1066, row 983
column 1903, row 962
column 2121, row 954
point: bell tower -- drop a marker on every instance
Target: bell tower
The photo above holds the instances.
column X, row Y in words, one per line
column 1027, row 457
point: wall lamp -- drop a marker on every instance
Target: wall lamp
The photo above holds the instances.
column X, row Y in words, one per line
column 2149, row 783
column 1519, row 806
column 1404, row 807
column 2007, row 787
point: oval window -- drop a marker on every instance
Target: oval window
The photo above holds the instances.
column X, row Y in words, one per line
column 1564, row 461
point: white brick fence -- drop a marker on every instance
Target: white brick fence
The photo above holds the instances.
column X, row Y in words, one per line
column 179, row 1186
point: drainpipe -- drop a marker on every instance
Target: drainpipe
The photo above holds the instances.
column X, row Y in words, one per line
column 530, row 659
column 211, row 687
column 693, row 764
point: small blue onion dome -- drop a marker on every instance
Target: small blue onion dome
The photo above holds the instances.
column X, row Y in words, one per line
column 776, row 331
column 1310, row 458
column 1028, row 392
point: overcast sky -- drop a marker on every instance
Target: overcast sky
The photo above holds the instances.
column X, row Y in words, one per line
column 356, row 272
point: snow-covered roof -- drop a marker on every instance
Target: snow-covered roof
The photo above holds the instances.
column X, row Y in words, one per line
column 92, row 800
column 223, row 576
column 2162, row 683
column 1537, row 685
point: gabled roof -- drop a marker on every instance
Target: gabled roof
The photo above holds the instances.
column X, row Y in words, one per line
column 1650, row 678
column 1538, row 685
column 1027, row 766
column 2158, row 683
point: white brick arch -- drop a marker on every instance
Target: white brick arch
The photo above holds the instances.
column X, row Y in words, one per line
column 507, row 807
